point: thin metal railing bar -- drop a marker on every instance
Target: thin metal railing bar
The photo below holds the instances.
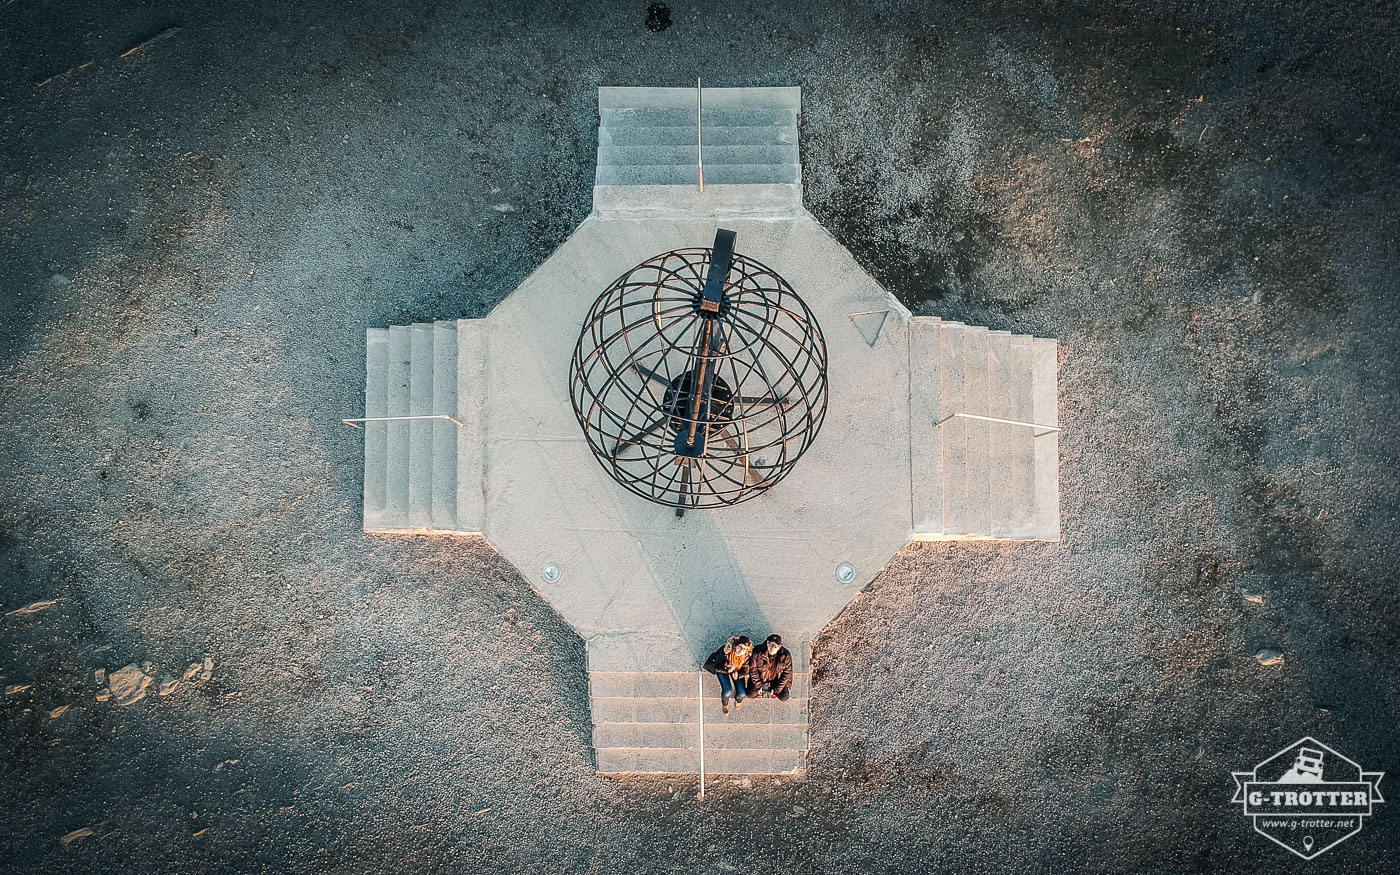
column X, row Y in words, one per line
column 1049, row 429
column 351, row 422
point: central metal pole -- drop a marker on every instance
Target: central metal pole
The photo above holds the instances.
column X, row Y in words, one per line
column 691, row 441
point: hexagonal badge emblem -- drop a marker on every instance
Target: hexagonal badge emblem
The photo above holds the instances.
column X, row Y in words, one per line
column 1307, row 797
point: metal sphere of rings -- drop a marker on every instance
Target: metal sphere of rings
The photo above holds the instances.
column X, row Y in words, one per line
column 699, row 377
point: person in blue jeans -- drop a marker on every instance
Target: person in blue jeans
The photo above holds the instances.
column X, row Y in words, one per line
column 730, row 664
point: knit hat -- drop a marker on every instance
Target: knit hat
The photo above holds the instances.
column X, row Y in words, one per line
column 775, row 638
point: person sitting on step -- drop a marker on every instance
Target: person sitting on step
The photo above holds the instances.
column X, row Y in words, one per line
column 770, row 670
column 731, row 665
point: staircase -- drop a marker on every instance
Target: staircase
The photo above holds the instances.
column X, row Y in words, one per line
column 648, row 157
column 650, row 722
column 974, row 478
column 424, row 475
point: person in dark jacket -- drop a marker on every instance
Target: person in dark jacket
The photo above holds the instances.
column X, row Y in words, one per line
column 731, row 665
column 770, row 670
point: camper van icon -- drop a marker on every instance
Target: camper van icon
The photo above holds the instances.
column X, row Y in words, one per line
column 1307, row 797
column 1307, row 769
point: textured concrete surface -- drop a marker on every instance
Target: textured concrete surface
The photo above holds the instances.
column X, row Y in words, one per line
column 217, row 216
column 652, row 592
column 649, row 591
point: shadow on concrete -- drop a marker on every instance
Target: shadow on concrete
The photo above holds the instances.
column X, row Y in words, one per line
column 699, row 577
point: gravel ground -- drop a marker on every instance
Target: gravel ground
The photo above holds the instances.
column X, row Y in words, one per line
column 1199, row 201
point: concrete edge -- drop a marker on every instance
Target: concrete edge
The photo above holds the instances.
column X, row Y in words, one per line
column 760, row 201
column 764, row 97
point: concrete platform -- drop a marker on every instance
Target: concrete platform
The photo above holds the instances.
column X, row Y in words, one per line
column 651, row 594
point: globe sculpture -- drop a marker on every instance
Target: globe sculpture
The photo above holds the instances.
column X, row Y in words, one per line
column 699, row 378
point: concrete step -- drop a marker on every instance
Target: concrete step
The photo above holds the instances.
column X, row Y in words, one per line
column 614, row 97
column 1001, row 438
column 718, row 117
column 632, row 709
column 670, row 652
column 751, row 174
column 718, row 735
column 689, row 174
column 668, row 685
column 715, row 135
column 631, row 156
column 420, row 457
column 682, row 761
column 750, row 136
column 397, row 442
column 925, row 410
column 376, row 433
column 1045, row 365
column 413, row 465
column 975, row 396
column 444, row 477
column 953, row 385
column 771, row 200
column 472, row 397
column 649, row 174
column 1023, row 439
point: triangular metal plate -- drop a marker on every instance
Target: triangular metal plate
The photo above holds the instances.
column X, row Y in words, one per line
column 869, row 324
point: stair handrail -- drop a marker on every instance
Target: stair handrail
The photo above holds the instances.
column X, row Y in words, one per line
column 1049, row 429
column 351, row 422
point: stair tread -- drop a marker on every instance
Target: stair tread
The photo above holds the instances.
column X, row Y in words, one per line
column 635, row 709
column 646, row 685
column 718, row 736
column 685, row 154
column 925, row 410
column 1023, row 450
column 472, row 399
column 420, row 458
column 953, row 388
column 397, row 433
column 787, row 97
column 975, row 401
column 714, row 135
column 1001, row 438
column 444, row 474
column 687, row 761
column 376, row 433
column 665, row 117
column 1044, row 354
column 689, row 174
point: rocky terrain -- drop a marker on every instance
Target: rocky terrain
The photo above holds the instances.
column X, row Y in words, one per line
column 207, row 667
